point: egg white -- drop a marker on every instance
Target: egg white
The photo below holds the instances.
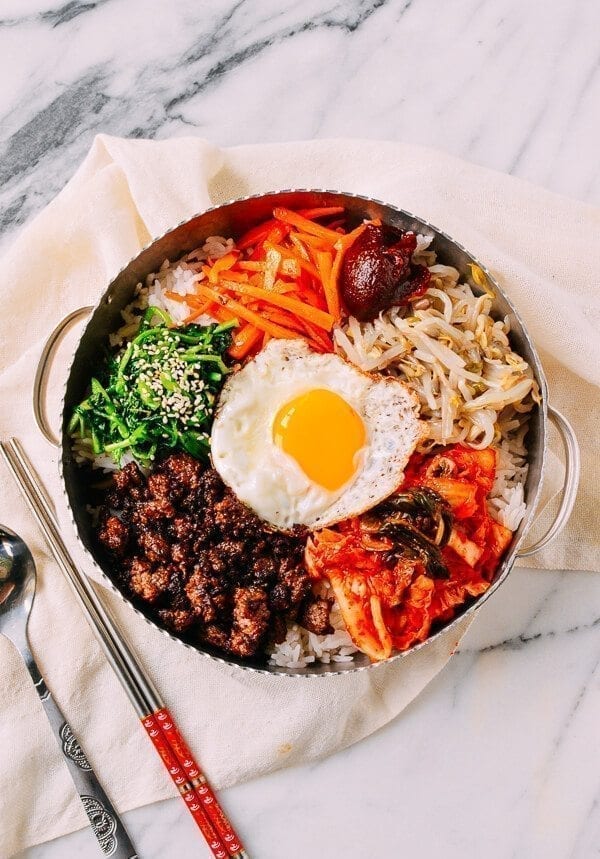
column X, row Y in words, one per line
column 267, row 478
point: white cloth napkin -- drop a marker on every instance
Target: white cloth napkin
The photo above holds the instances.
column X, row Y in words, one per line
column 240, row 724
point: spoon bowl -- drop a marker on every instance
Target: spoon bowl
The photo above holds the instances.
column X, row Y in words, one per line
column 17, row 586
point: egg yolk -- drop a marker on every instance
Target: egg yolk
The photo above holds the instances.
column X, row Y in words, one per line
column 323, row 433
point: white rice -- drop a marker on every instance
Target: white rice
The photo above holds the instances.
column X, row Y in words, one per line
column 301, row 647
column 506, row 502
column 180, row 278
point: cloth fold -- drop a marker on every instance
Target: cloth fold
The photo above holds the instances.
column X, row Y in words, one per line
column 241, row 724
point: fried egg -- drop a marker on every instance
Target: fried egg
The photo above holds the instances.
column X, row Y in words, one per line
column 307, row 439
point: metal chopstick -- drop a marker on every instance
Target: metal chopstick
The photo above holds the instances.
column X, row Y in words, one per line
column 213, row 823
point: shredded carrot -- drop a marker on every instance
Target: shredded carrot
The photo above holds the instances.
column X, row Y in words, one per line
column 283, row 286
column 342, row 246
column 223, row 314
column 304, row 311
column 194, row 300
column 174, row 296
column 347, row 240
column 318, row 336
column 284, row 319
column 198, row 311
column 222, row 264
column 311, row 297
column 299, row 246
column 247, row 314
column 321, row 212
column 238, row 276
column 256, row 235
column 243, row 341
column 314, row 242
column 251, row 265
column 278, row 233
column 304, row 225
column 335, row 270
column 298, row 325
column 324, row 264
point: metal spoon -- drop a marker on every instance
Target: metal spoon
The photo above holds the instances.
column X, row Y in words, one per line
column 17, row 591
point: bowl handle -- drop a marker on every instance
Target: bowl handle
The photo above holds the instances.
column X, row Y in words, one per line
column 571, row 483
column 40, row 383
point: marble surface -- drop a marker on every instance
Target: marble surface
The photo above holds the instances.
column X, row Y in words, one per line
column 499, row 757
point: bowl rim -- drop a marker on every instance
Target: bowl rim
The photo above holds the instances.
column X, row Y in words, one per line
column 445, row 630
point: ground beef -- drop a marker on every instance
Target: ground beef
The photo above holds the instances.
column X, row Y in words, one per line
column 147, row 513
column 176, row 620
column 315, row 617
column 175, row 476
column 296, row 579
column 147, row 582
column 208, row 595
column 154, row 545
column 114, row 534
column 217, row 637
column 251, row 616
column 128, row 477
column 202, row 563
column 159, row 486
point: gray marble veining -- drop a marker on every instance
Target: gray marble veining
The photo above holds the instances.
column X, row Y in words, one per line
column 507, row 84
column 499, row 756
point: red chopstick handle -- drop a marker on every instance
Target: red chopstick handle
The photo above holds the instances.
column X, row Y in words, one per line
column 190, row 797
column 217, row 816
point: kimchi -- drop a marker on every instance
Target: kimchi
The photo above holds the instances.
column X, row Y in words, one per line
column 416, row 559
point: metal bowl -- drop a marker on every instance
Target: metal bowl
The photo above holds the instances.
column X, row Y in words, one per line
column 232, row 219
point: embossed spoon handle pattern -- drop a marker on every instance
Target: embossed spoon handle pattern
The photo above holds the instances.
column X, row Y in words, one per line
column 104, row 820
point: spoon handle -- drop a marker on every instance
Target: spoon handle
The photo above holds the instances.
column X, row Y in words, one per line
column 104, row 820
